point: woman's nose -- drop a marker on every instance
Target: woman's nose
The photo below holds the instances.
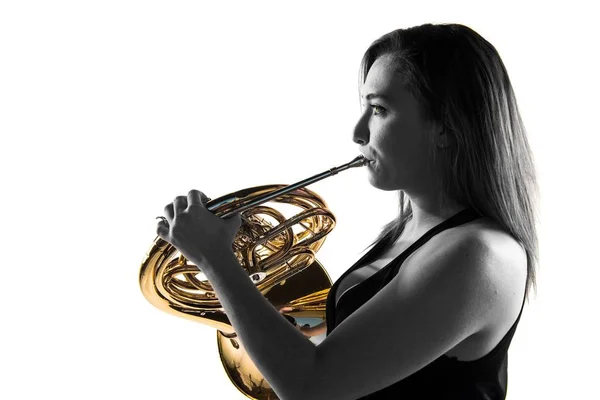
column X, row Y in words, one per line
column 361, row 131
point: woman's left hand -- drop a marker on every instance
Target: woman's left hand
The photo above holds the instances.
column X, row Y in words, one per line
column 196, row 232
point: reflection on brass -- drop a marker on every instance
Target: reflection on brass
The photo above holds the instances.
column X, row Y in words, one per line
column 277, row 252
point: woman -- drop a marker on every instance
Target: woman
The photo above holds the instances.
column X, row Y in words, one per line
column 430, row 310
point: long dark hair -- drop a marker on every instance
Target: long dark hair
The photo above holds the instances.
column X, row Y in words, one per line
column 459, row 80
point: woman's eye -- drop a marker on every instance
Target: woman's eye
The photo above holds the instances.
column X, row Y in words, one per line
column 377, row 109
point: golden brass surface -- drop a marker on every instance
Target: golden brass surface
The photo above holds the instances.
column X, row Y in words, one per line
column 278, row 252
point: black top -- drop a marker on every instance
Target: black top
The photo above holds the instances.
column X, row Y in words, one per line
column 446, row 377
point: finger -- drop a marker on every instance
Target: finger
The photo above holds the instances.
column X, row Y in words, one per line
column 179, row 204
column 169, row 212
column 162, row 229
column 196, row 197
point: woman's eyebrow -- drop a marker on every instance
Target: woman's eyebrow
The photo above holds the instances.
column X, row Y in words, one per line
column 382, row 96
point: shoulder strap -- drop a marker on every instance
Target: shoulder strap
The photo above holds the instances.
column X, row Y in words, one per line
column 462, row 217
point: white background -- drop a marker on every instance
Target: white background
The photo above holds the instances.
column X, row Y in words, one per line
column 109, row 109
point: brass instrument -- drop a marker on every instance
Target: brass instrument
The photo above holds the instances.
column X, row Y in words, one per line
column 279, row 261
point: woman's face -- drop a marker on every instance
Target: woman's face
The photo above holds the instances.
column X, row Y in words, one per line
column 391, row 132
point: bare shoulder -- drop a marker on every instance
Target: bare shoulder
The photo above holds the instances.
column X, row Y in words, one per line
column 483, row 237
column 506, row 259
column 506, row 273
column 488, row 236
column 488, row 257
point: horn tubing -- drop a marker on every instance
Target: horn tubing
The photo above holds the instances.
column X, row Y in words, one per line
column 359, row 161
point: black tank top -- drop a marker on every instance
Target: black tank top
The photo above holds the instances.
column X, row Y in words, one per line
column 446, row 377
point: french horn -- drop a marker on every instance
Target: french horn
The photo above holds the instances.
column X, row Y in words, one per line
column 277, row 252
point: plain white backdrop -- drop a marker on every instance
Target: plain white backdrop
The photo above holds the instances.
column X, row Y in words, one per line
column 110, row 109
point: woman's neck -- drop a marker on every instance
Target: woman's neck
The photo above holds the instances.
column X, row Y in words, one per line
column 427, row 214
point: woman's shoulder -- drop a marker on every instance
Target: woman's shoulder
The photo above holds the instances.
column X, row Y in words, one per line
column 505, row 267
column 482, row 234
column 501, row 270
column 489, row 239
column 495, row 238
column 506, row 276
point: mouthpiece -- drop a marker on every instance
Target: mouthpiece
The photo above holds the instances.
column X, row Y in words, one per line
column 359, row 161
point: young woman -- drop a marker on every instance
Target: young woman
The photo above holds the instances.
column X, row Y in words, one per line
column 430, row 310
column 441, row 125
